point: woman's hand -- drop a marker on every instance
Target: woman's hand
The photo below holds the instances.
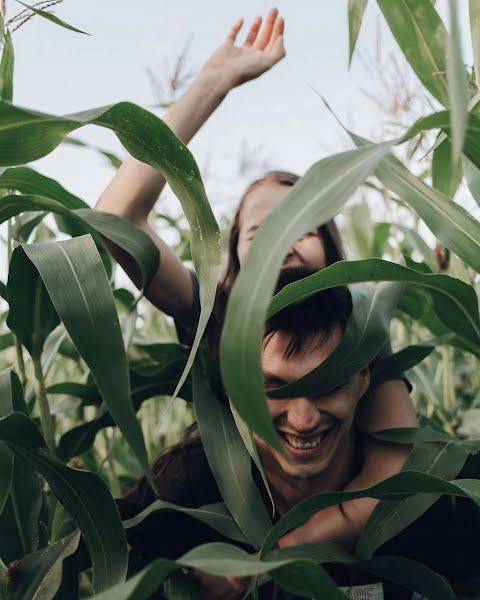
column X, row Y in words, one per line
column 232, row 65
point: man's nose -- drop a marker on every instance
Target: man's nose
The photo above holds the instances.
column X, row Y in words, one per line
column 303, row 415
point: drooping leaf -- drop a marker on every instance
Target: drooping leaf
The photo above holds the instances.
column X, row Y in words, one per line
column 446, row 175
column 229, row 461
column 32, row 316
column 216, row 516
column 472, row 176
column 454, row 301
column 83, row 494
column 130, row 238
column 148, row 139
column 6, row 68
column 356, row 9
column 474, row 9
column 315, row 199
column 82, row 296
column 395, row 365
column 6, row 457
column 457, row 84
column 406, row 483
column 442, row 459
column 38, row 575
column 52, row 18
column 422, row 37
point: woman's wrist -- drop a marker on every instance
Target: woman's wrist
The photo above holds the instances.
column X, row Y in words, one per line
column 213, row 83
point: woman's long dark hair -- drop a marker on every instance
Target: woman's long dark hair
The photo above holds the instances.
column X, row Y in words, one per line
column 328, row 232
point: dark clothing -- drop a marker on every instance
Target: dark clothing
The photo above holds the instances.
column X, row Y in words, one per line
column 445, row 538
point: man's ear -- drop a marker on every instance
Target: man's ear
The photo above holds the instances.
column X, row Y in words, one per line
column 364, row 379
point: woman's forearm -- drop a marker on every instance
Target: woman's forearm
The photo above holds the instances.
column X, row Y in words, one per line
column 135, row 188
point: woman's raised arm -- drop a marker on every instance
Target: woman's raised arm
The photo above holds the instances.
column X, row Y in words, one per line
column 135, row 188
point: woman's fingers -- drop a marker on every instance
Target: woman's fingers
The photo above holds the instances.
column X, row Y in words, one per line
column 254, row 29
column 278, row 31
column 232, row 36
column 263, row 40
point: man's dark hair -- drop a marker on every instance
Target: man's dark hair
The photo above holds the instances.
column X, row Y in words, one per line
column 315, row 318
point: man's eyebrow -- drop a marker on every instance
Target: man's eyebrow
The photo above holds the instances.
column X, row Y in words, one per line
column 252, row 228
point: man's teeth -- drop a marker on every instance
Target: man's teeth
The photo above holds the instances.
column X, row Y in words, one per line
column 304, row 444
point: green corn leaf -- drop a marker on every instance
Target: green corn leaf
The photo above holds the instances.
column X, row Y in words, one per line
column 441, row 459
column 229, row 461
column 6, row 341
column 474, row 9
column 422, row 38
column 472, row 176
column 32, row 315
column 38, row 575
column 26, row 135
column 395, row 365
column 356, row 9
column 51, row 18
column 84, row 495
column 457, row 84
column 454, row 301
column 446, row 175
column 366, row 334
column 6, row 68
column 29, row 182
column 112, row 159
column 406, row 483
column 82, row 296
column 6, row 457
column 130, row 238
column 216, row 516
column 315, row 199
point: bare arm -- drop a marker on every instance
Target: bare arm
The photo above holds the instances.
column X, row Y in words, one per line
column 135, row 188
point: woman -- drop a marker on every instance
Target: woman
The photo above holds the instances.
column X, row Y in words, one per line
column 132, row 194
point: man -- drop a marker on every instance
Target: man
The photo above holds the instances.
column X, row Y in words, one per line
column 323, row 452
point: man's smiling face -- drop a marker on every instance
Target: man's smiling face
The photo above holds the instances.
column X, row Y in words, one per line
column 314, row 429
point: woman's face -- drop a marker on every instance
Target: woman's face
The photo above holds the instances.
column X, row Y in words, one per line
column 308, row 251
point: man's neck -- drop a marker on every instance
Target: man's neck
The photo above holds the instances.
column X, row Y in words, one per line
column 288, row 491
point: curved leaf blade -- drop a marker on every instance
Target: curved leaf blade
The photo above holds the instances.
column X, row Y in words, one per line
column 314, row 199
column 356, row 10
column 84, row 495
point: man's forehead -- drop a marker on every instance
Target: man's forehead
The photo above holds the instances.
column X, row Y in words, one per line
column 315, row 349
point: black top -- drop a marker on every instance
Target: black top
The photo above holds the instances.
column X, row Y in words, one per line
column 445, row 538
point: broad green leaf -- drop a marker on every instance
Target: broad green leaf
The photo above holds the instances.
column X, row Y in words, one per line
column 82, row 296
column 6, row 69
column 83, row 494
column 446, row 175
column 26, row 135
column 472, row 176
column 395, row 365
column 229, row 460
column 457, row 84
column 6, row 341
column 32, row 316
column 442, row 459
column 314, row 199
column 38, row 575
column 367, row 332
column 29, row 182
column 356, row 9
column 250, row 445
column 474, row 9
column 454, row 301
column 406, row 483
column 215, row 515
column 52, row 18
column 162, row 382
column 307, row 580
column 6, row 457
column 130, row 238
column 422, row 37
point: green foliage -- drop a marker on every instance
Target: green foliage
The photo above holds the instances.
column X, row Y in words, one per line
column 91, row 388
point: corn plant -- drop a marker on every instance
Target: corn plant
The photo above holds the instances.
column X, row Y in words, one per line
column 68, row 446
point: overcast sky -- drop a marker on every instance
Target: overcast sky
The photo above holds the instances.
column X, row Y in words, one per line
column 278, row 116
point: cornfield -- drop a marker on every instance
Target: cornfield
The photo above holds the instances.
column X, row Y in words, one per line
column 95, row 383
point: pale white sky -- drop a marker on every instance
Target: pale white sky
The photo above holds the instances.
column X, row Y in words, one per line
column 278, row 115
